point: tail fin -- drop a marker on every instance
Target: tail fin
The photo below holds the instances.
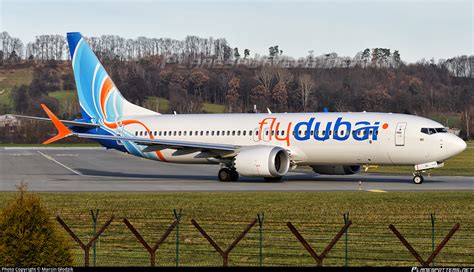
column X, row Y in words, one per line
column 99, row 98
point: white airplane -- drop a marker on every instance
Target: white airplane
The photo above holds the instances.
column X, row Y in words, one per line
column 253, row 145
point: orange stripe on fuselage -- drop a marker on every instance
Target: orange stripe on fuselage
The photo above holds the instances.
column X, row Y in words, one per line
column 128, row 122
column 103, row 95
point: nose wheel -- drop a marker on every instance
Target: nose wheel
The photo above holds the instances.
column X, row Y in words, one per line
column 226, row 174
column 418, row 179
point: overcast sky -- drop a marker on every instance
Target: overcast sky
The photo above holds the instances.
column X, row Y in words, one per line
column 419, row 29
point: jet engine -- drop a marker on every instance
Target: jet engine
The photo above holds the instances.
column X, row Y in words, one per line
column 262, row 161
column 336, row 169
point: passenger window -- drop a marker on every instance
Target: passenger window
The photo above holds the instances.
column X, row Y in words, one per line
column 136, row 133
column 179, row 133
column 266, row 133
column 233, row 133
column 244, row 132
column 146, row 133
column 141, row 133
column 184, row 133
column 217, row 133
column 238, row 132
column 250, row 133
column 164, row 133
column 207, row 132
column 191, row 133
column 212, row 133
column 159, row 133
column 256, row 132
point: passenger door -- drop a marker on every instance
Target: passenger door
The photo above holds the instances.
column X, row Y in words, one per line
column 400, row 134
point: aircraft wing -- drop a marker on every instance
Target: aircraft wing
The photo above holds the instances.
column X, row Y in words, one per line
column 157, row 144
column 66, row 122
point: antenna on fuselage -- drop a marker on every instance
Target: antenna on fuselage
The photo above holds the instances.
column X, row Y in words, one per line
column 325, row 109
column 269, row 111
column 175, row 113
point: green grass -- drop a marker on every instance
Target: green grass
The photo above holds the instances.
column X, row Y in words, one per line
column 213, row 108
column 452, row 121
column 460, row 165
column 65, row 98
column 318, row 216
column 163, row 105
column 10, row 78
column 158, row 104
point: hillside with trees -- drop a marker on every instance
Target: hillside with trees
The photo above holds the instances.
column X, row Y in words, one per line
column 195, row 74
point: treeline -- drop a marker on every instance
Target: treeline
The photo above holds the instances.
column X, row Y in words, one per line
column 426, row 90
column 374, row 80
column 209, row 52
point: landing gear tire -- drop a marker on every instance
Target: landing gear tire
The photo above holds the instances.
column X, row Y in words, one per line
column 226, row 174
column 234, row 176
column 418, row 179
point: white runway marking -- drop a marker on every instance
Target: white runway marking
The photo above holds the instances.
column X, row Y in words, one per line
column 60, row 164
column 377, row 191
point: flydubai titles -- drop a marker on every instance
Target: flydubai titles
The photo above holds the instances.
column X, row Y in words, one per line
column 272, row 129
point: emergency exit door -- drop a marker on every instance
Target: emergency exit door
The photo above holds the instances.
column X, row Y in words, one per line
column 400, row 134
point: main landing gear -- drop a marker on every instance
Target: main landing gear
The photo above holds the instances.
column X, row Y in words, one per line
column 418, row 178
column 227, row 174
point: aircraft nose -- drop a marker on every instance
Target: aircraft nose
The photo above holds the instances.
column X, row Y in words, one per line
column 456, row 145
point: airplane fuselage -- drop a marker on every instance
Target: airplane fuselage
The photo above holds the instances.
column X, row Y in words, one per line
column 310, row 138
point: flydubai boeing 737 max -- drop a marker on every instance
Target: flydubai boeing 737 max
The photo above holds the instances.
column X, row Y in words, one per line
column 255, row 145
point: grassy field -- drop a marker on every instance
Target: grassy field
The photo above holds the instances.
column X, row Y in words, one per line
column 11, row 78
column 213, row 108
column 159, row 104
column 317, row 215
column 447, row 120
column 460, row 165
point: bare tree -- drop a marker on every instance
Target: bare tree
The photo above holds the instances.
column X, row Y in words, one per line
column 306, row 83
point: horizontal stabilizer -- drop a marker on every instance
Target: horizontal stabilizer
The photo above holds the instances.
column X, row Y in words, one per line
column 63, row 131
column 66, row 122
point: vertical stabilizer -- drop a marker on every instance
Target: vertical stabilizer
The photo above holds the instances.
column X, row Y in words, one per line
column 99, row 98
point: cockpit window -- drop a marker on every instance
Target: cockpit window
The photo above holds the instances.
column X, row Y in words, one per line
column 430, row 131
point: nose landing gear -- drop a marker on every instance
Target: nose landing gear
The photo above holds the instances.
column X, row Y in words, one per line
column 417, row 178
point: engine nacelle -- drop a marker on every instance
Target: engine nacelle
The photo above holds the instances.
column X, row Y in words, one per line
column 262, row 161
column 336, row 169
